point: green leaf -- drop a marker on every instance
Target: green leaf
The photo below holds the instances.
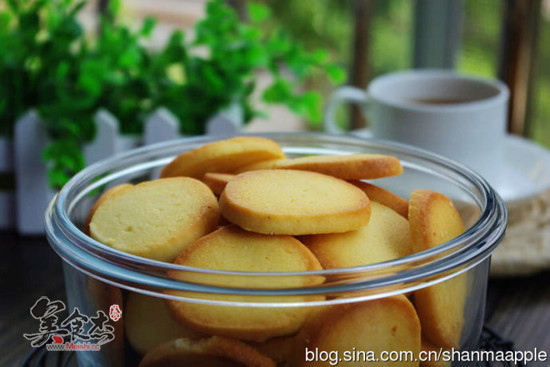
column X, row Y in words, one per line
column 279, row 92
column 129, row 58
column 57, row 177
column 65, row 159
column 279, row 43
column 258, row 12
column 309, row 105
column 256, row 57
column 336, row 74
column 320, row 56
column 5, row 20
column 90, row 79
column 148, row 26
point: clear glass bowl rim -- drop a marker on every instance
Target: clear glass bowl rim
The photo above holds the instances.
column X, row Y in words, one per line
column 460, row 254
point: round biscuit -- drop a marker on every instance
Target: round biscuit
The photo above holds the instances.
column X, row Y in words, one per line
column 294, row 203
column 156, row 219
column 385, row 237
column 233, row 249
column 113, row 191
column 223, row 156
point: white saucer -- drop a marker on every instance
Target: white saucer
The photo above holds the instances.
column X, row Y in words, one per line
column 525, row 169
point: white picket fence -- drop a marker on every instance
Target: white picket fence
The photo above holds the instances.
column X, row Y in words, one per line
column 24, row 208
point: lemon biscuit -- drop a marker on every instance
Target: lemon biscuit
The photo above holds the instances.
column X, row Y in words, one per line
column 385, row 237
column 156, row 219
column 434, row 220
column 148, row 323
column 103, row 198
column 293, row 202
column 385, row 197
column 346, row 167
column 382, row 325
column 223, row 156
column 215, row 351
column 233, row 249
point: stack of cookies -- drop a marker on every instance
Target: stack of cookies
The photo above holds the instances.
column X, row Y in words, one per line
column 242, row 205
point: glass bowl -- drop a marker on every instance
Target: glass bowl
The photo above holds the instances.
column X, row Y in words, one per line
column 98, row 277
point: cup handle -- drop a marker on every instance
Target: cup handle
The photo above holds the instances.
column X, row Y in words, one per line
column 339, row 96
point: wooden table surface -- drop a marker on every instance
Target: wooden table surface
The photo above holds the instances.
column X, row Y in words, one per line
column 517, row 308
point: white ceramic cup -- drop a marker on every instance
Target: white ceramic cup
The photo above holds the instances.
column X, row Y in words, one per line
column 460, row 117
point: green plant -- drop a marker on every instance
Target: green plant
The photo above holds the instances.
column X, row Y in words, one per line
column 112, row 72
column 34, row 37
column 47, row 63
column 236, row 51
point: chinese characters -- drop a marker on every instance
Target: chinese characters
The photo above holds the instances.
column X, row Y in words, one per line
column 74, row 328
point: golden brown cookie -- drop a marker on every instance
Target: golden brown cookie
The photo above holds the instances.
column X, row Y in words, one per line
column 156, row 219
column 214, row 351
column 148, row 323
column 231, row 248
column 385, row 197
column 385, row 237
column 382, row 325
column 217, row 181
column 223, row 156
column 293, row 202
column 103, row 198
column 434, row 220
column 345, row 167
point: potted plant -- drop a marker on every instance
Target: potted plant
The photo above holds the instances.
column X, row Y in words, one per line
column 68, row 77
